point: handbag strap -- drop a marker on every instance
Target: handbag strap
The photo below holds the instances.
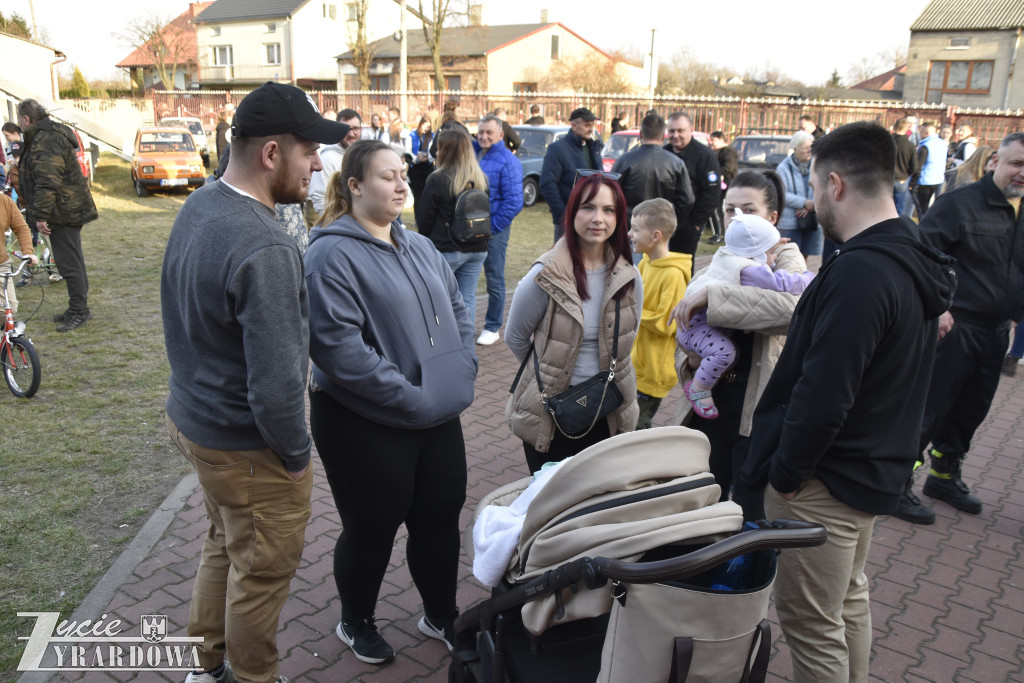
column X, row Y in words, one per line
column 522, row 366
column 682, row 656
column 758, row 670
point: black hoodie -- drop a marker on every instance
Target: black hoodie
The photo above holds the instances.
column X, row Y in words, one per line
column 845, row 401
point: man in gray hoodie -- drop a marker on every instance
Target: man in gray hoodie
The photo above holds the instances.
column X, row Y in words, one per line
column 235, row 316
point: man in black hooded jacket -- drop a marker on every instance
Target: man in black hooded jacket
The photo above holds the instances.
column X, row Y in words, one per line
column 834, row 434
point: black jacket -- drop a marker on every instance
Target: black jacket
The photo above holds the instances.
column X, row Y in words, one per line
column 648, row 172
column 705, row 175
column 563, row 158
column 845, row 401
column 976, row 225
column 907, row 165
column 435, row 211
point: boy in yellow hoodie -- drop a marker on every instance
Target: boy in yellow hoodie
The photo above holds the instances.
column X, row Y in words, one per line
column 665, row 275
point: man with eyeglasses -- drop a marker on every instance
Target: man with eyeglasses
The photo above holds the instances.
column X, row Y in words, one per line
column 705, row 177
column 576, row 151
column 331, row 156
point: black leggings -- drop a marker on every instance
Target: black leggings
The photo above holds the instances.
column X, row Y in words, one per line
column 561, row 447
column 381, row 477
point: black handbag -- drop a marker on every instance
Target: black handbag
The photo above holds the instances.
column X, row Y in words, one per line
column 808, row 222
column 577, row 409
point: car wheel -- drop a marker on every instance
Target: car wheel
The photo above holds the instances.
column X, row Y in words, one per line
column 529, row 191
column 140, row 189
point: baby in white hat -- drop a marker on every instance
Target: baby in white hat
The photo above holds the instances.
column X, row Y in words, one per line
column 749, row 241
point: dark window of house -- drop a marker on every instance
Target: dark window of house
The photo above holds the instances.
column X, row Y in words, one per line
column 555, row 48
column 380, row 82
column 972, row 78
column 524, row 87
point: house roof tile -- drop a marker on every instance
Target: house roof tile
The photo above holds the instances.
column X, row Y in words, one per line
column 243, row 10
column 970, row 15
column 464, row 41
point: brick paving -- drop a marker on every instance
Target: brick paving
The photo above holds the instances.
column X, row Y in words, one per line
column 947, row 600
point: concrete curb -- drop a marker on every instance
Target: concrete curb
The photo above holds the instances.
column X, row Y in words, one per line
column 102, row 594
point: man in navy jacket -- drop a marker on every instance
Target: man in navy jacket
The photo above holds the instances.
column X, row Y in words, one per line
column 505, row 186
column 564, row 158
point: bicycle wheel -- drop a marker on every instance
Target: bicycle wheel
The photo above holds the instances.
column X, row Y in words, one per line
column 22, row 371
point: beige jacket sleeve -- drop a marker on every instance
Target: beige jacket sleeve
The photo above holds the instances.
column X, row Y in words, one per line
column 11, row 217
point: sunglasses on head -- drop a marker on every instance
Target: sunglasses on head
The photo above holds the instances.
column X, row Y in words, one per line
column 584, row 172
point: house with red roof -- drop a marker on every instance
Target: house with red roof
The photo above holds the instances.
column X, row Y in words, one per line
column 174, row 50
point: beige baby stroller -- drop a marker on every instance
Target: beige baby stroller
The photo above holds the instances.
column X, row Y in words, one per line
column 626, row 568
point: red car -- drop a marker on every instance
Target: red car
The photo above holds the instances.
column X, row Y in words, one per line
column 625, row 140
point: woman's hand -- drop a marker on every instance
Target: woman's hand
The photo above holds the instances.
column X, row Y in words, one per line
column 685, row 309
column 809, row 205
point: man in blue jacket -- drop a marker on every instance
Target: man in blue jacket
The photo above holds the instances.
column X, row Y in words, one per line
column 505, row 185
column 564, row 159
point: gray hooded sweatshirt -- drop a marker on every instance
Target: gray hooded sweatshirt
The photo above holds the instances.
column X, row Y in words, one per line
column 390, row 337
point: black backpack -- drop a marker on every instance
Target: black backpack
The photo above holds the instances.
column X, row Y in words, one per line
column 470, row 229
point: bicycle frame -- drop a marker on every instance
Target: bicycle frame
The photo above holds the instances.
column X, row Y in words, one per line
column 19, row 359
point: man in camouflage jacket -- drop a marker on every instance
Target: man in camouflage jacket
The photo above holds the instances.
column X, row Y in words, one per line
column 58, row 203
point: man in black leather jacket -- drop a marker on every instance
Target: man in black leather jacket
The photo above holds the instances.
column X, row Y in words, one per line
column 705, row 177
column 649, row 172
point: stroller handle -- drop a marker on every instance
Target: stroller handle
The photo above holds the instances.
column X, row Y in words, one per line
column 781, row 533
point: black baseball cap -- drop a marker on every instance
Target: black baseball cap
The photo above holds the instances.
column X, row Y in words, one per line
column 277, row 109
column 582, row 113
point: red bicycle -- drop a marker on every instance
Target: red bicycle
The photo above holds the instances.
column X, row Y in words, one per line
column 18, row 356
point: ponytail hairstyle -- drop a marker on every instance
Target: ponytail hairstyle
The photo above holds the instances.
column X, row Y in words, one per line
column 355, row 164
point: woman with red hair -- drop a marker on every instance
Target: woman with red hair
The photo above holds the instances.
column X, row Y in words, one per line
column 564, row 312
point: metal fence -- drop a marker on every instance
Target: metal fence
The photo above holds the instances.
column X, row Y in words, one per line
column 732, row 115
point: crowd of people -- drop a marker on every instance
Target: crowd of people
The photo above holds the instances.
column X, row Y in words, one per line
column 819, row 393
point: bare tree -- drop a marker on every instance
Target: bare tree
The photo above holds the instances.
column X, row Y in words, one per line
column 442, row 13
column 358, row 45
column 685, row 74
column 586, row 74
column 164, row 40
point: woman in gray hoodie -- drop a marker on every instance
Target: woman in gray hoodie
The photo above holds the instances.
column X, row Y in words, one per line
column 393, row 368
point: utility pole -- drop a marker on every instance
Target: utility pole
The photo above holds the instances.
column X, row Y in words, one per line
column 35, row 29
column 403, row 65
column 652, row 76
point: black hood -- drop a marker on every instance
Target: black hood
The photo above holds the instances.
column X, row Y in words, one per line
column 899, row 238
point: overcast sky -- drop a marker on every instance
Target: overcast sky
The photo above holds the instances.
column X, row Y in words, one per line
column 804, row 40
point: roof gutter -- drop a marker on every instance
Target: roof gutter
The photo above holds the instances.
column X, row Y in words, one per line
column 1013, row 64
column 61, row 57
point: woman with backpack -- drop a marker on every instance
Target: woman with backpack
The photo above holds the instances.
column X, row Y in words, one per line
column 457, row 171
column 394, row 363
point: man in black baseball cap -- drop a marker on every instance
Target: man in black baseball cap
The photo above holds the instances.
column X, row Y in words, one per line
column 236, row 328
column 576, row 150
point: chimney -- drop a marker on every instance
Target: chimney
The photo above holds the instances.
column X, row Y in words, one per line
column 543, row 16
column 476, row 14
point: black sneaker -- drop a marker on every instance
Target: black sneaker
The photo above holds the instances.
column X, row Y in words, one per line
column 25, row 278
column 1010, row 366
column 443, row 630
column 365, row 641
column 953, row 491
column 73, row 321
column 912, row 510
column 59, row 317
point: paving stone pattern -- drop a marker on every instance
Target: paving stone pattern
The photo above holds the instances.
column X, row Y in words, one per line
column 947, row 601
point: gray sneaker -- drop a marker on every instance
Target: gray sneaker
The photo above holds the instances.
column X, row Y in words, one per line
column 73, row 321
column 226, row 676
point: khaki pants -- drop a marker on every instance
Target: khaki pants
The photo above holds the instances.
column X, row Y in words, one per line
column 8, row 267
column 258, row 516
column 821, row 593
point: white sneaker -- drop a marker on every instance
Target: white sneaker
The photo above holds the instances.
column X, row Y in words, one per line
column 487, row 338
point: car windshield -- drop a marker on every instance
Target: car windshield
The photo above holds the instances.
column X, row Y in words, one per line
column 619, row 145
column 762, row 151
column 535, row 142
column 166, row 142
column 194, row 127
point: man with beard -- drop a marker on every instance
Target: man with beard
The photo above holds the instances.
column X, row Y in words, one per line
column 705, row 176
column 830, row 433
column 980, row 225
column 235, row 316
column 331, row 157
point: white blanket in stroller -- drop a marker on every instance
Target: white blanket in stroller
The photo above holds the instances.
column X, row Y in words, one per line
column 496, row 532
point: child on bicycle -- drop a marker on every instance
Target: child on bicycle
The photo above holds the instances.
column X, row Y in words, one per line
column 11, row 218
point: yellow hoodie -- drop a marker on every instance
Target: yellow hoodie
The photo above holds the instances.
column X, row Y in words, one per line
column 654, row 348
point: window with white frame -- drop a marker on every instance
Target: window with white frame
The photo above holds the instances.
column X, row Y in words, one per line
column 556, row 48
column 273, row 54
column 215, row 30
column 222, row 55
column 958, row 43
column 271, row 28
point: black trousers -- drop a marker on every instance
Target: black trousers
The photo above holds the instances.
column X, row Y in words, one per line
column 965, row 376
column 66, row 241
column 382, row 477
column 924, row 195
column 562, row 447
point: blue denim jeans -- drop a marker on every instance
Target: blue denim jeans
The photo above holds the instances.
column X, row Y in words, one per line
column 466, row 267
column 494, row 270
column 899, row 194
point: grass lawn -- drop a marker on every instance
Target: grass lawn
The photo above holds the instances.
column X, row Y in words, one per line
column 85, row 462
